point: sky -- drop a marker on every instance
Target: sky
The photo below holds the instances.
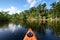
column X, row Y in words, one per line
column 20, row 5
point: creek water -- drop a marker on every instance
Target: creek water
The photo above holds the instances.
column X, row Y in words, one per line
column 44, row 30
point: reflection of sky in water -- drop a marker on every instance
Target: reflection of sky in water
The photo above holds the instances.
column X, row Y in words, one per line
column 48, row 31
column 17, row 32
column 0, row 29
column 11, row 27
column 8, row 34
column 59, row 35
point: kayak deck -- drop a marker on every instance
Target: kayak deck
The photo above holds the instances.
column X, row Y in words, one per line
column 30, row 35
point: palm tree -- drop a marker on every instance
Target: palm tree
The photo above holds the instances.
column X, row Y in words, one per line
column 39, row 10
column 43, row 9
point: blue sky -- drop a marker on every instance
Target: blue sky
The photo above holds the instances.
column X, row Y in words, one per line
column 20, row 5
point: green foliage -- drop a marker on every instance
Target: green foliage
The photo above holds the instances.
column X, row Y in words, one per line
column 35, row 13
column 56, row 9
column 4, row 16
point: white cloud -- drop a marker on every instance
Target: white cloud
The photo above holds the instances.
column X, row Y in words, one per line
column 57, row 0
column 29, row 1
column 18, row 11
column 12, row 10
column 32, row 2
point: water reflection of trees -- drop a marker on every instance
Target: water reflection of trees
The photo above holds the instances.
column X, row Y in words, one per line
column 40, row 26
column 5, row 24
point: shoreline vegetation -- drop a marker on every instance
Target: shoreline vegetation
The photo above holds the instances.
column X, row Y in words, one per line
column 41, row 13
column 44, row 19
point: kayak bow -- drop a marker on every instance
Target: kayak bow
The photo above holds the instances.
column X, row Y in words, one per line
column 30, row 35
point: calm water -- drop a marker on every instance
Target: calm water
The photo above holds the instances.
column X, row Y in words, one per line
column 44, row 30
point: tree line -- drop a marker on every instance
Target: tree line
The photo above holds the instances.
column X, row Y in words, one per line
column 39, row 12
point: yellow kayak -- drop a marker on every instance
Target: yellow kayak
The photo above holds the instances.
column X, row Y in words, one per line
column 30, row 35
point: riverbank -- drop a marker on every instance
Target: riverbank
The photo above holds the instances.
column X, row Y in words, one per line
column 49, row 19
